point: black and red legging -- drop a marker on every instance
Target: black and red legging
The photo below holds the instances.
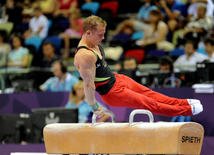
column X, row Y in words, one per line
column 128, row 93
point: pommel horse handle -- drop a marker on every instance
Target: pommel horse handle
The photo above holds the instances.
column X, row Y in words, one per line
column 106, row 112
column 131, row 116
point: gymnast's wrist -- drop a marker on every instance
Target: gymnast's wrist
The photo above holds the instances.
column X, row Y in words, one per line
column 95, row 107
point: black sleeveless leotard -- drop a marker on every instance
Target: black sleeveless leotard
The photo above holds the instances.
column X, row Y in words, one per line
column 104, row 78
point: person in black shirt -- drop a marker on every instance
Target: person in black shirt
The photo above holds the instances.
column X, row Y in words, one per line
column 50, row 56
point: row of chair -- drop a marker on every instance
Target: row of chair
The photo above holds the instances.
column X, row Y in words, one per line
column 95, row 6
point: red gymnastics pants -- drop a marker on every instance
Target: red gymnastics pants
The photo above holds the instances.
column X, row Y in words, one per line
column 128, row 93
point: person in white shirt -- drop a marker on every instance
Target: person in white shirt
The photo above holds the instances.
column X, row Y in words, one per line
column 192, row 9
column 38, row 25
column 191, row 57
column 209, row 48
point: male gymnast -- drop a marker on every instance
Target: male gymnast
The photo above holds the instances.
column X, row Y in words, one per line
column 119, row 90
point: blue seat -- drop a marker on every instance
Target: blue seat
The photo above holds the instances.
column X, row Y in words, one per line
column 157, row 53
column 181, row 119
column 137, row 35
column 62, row 22
column 92, row 6
column 123, row 37
column 35, row 41
column 24, row 26
column 57, row 41
column 50, row 22
column 177, row 52
column 202, row 51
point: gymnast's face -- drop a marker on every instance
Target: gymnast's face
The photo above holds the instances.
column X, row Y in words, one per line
column 97, row 35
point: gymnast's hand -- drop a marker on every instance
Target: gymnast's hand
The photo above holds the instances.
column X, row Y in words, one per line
column 99, row 112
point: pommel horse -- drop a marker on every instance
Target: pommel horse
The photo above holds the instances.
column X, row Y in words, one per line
column 124, row 138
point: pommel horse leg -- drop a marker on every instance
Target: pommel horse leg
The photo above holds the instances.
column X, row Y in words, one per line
column 124, row 138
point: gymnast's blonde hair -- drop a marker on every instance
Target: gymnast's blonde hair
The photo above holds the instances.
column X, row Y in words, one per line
column 92, row 22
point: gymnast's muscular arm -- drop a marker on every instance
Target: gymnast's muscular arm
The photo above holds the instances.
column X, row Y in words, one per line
column 85, row 63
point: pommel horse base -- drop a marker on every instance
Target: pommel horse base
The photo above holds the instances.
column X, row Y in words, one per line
column 124, row 138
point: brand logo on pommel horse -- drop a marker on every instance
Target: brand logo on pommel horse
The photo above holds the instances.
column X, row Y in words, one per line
column 189, row 139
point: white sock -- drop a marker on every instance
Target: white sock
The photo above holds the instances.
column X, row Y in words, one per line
column 193, row 101
column 196, row 108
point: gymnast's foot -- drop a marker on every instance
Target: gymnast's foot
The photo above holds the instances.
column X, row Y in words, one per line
column 196, row 106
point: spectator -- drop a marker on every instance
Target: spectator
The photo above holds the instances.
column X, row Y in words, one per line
column 155, row 34
column 64, row 7
column 62, row 80
column 174, row 12
column 134, row 25
column 209, row 48
column 5, row 48
column 12, row 12
column 197, row 28
column 50, row 57
column 19, row 55
column 74, row 31
column 191, row 57
column 77, row 100
column 200, row 26
column 48, row 7
column 192, row 9
column 130, row 64
column 38, row 25
column 166, row 64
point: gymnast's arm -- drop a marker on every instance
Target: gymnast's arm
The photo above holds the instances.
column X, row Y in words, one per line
column 85, row 64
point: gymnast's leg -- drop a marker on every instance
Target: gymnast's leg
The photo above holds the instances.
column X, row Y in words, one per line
column 128, row 93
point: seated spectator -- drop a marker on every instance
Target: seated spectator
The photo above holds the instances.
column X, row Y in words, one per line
column 12, row 12
column 209, row 48
column 192, row 9
column 174, row 13
column 27, row 11
column 5, row 48
column 64, row 7
column 62, row 80
column 18, row 57
column 191, row 57
column 74, row 31
column 77, row 100
column 50, row 56
column 38, row 25
column 130, row 26
column 166, row 64
column 130, row 64
column 197, row 28
column 48, row 7
column 155, row 33
column 129, row 67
